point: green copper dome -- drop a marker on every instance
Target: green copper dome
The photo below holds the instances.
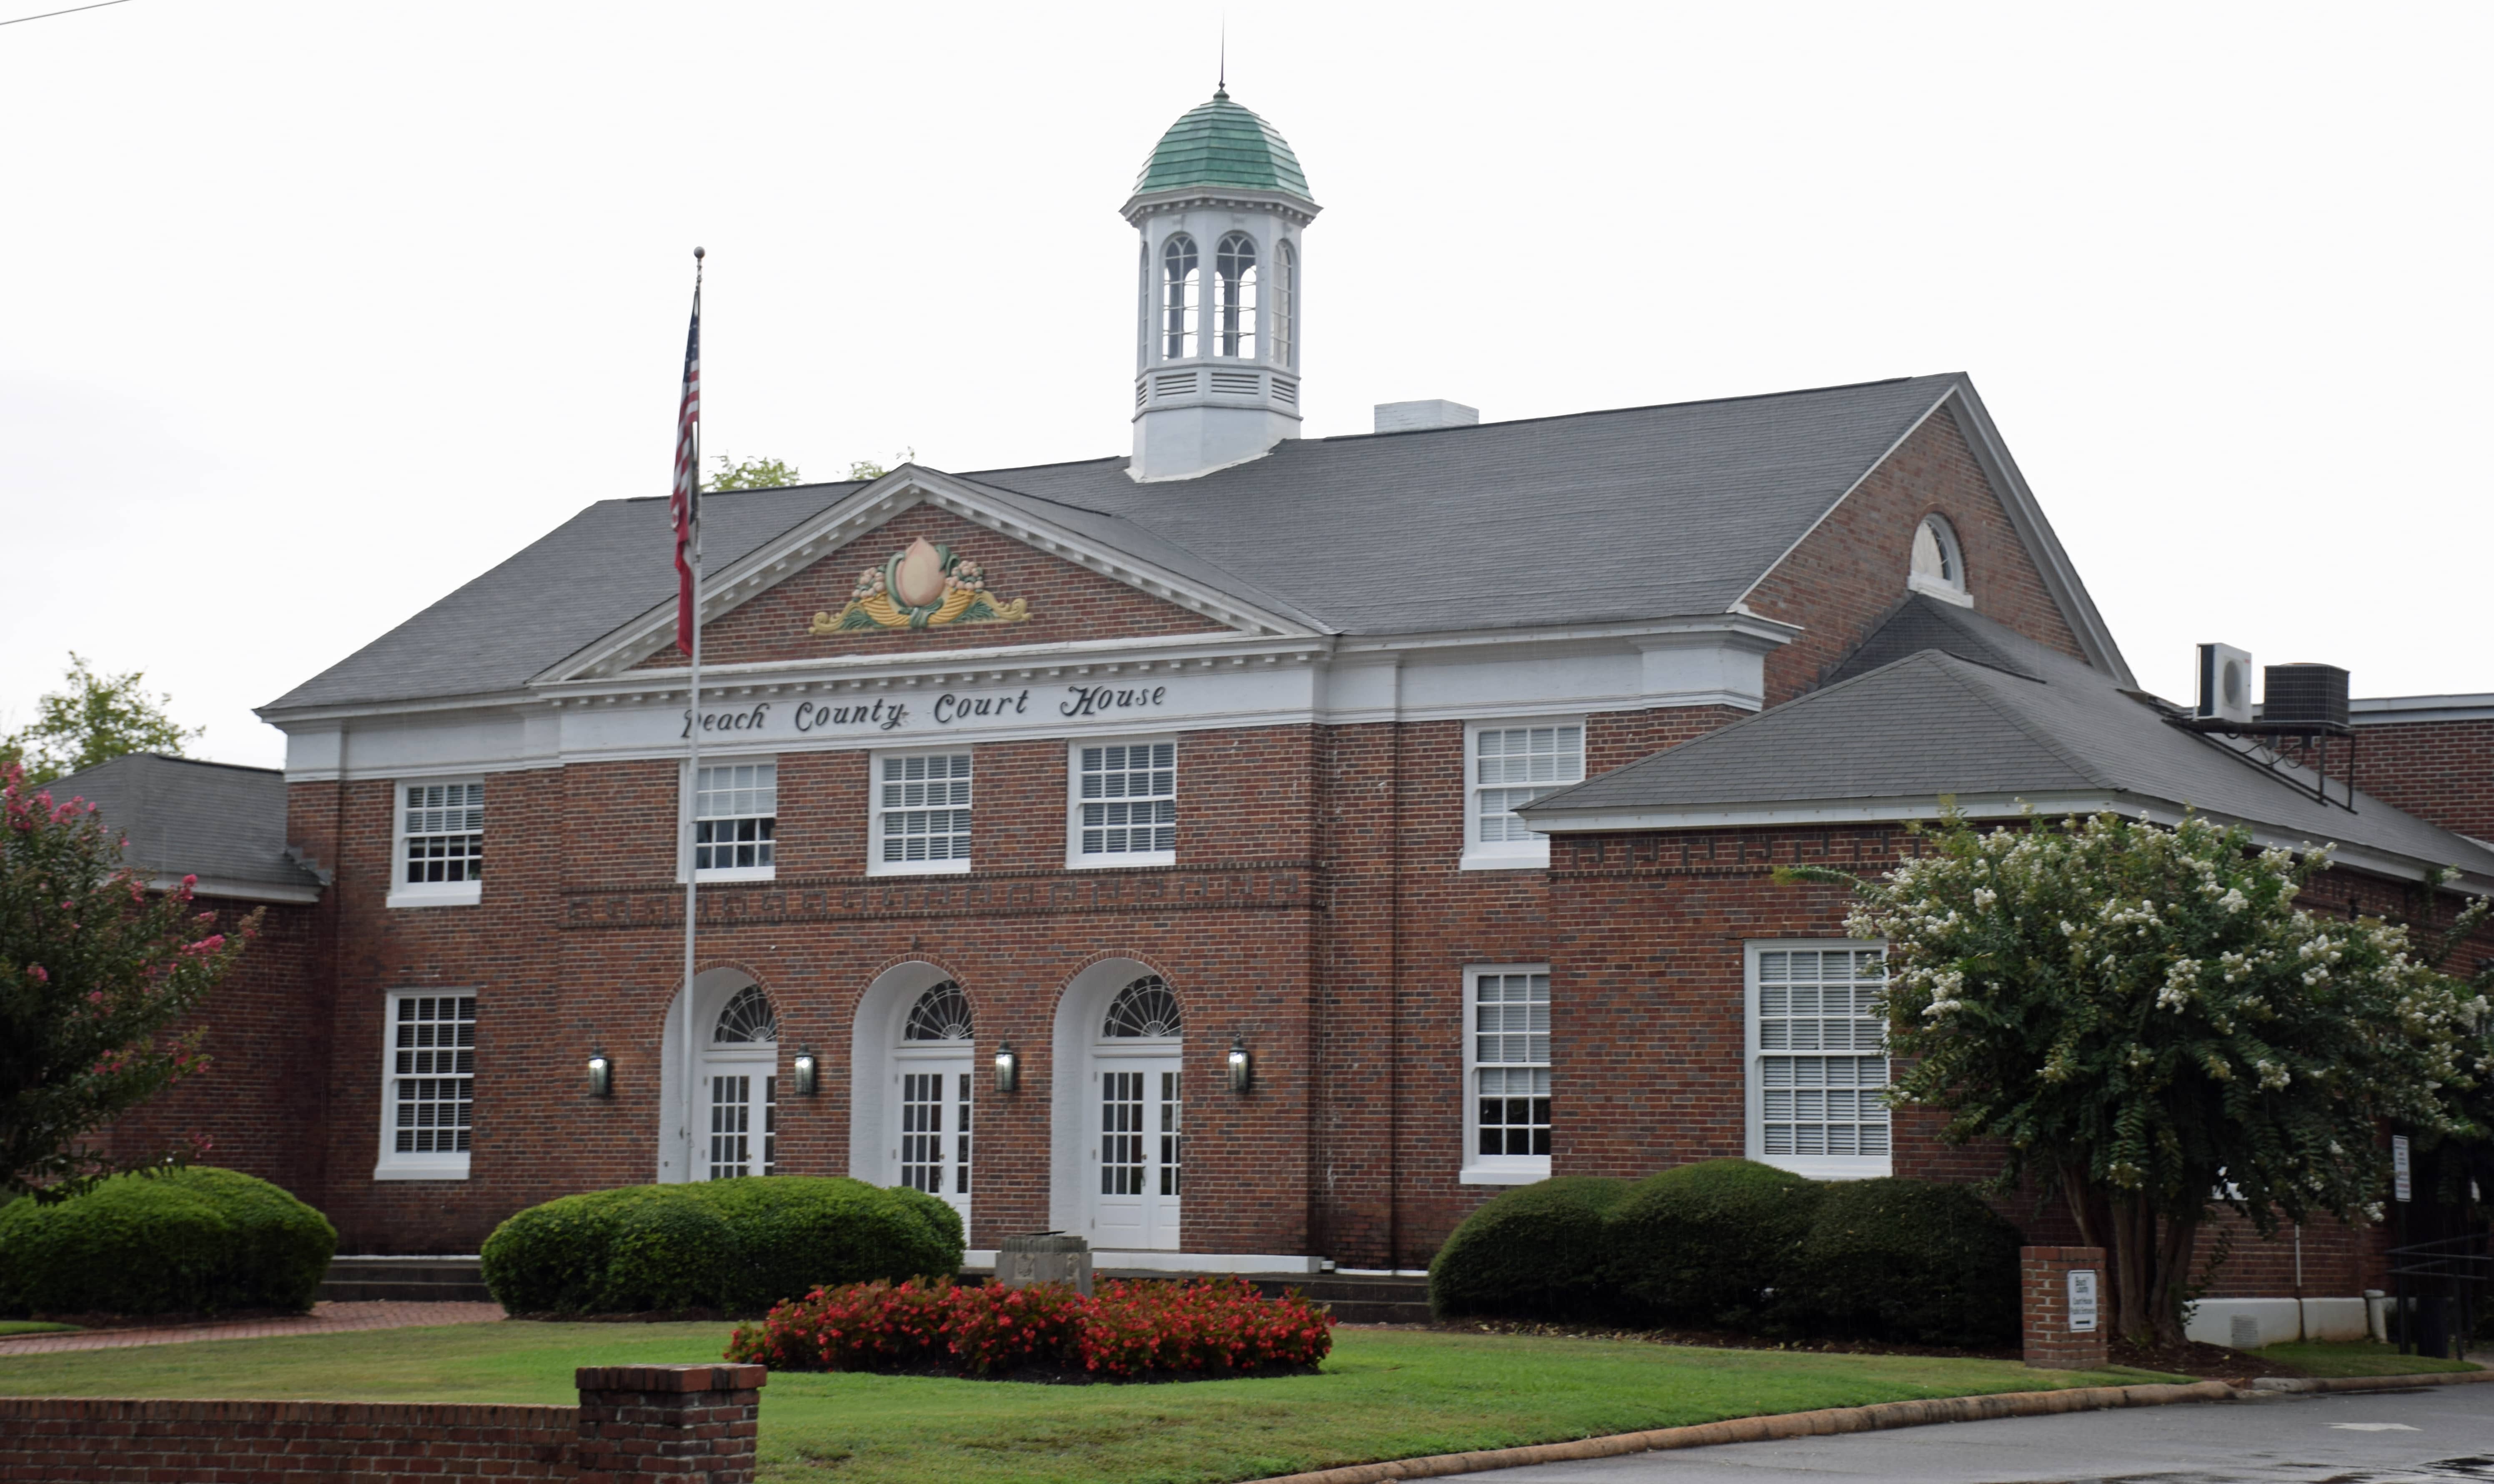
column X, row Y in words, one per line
column 1223, row 143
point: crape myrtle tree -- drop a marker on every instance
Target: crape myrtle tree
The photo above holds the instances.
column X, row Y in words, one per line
column 95, row 970
column 2143, row 1020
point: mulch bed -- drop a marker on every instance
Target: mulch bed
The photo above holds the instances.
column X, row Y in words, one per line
column 182, row 1321
column 2206, row 1362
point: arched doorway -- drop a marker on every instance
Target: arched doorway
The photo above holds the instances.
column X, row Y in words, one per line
column 910, row 1121
column 723, row 1119
column 1120, row 1118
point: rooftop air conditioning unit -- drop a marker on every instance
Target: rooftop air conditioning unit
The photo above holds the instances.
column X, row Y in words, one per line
column 2312, row 696
column 2225, row 683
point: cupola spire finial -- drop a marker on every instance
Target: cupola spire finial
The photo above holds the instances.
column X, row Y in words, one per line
column 1221, row 86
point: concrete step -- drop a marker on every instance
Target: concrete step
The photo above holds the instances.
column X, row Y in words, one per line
column 405, row 1280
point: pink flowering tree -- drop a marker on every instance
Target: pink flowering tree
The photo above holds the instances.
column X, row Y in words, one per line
column 95, row 971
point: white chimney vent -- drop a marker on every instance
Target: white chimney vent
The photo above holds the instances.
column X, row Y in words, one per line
column 1413, row 416
column 2225, row 683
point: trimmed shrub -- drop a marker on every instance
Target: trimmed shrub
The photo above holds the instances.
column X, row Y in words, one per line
column 1217, row 1327
column 738, row 1246
column 1914, row 1260
column 1538, row 1252
column 195, row 1240
column 1701, row 1244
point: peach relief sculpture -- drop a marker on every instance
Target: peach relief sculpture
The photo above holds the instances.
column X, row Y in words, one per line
column 926, row 586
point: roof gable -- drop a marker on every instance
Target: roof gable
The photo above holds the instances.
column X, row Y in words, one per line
column 1629, row 515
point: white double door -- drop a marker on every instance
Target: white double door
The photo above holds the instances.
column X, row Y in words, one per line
column 930, row 1124
column 740, row 1097
column 1137, row 1124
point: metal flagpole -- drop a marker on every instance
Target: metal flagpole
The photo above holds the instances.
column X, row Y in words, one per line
column 692, row 735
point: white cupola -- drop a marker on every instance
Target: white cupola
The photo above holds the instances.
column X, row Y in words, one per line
column 1220, row 205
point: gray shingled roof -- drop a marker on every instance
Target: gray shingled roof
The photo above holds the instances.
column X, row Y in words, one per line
column 1640, row 513
column 1938, row 722
column 180, row 817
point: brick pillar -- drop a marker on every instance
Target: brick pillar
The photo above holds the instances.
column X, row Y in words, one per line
column 2055, row 1338
column 686, row 1424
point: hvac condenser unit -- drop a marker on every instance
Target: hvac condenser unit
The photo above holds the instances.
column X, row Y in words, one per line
column 2225, row 683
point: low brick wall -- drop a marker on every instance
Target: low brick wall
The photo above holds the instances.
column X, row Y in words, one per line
column 686, row 1424
column 114, row 1441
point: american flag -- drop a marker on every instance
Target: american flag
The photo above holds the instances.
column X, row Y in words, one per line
column 683, row 502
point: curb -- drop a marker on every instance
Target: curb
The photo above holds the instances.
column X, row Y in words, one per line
column 1799, row 1424
column 2301, row 1384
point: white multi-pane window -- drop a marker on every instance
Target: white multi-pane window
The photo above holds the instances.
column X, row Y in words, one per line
column 921, row 813
column 1234, row 267
column 1818, row 1064
column 1507, row 764
column 1506, row 1061
column 427, row 1087
column 737, row 1147
column 1182, row 285
column 439, row 831
column 1125, row 804
column 736, row 813
column 1286, row 294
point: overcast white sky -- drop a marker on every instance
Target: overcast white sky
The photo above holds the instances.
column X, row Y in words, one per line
column 316, row 310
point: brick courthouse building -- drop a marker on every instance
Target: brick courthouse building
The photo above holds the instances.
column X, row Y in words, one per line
column 1187, row 785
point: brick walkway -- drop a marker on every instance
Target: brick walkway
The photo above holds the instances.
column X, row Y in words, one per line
column 323, row 1319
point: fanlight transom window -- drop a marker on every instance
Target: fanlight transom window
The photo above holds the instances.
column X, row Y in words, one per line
column 1145, row 1008
column 746, row 1019
column 1233, row 267
column 1181, row 289
column 941, row 1013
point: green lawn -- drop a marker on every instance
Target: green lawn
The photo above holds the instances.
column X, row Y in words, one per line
column 2358, row 1357
column 1384, row 1394
column 30, row 1327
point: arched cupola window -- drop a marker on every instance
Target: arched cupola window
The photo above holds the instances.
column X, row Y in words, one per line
column 1937, row 565
column 746, row 1019
column 1181, row 290
column 1144, row 1008
column 1286, row 303
column 1234, row 267
column 941, row 1013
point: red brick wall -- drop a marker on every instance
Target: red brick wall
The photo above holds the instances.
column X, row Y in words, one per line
column 1648, row 1030
column 1851, row 570
column 1067, row 602
column 2437, row 771
column 108, row 1440
column 260, row 1098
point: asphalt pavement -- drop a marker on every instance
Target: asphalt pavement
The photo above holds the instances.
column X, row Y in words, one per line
column 2439, row 1433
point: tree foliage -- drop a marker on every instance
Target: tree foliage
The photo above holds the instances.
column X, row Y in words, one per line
column 2143, row 1018
column 94, row 718
column 751, row 474
column 95, row 970
column 867, row 469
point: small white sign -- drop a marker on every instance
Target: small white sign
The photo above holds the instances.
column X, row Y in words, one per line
column 2082, row 1300
column 2400, row 1185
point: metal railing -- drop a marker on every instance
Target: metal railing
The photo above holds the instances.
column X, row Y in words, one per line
column 2436, row 1292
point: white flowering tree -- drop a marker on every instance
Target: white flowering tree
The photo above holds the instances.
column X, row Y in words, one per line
column 2142, row 1017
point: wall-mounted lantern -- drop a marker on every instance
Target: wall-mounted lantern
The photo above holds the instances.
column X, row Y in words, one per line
column 601, row 1075
column 1007, row 1068
column 1242, row 1067
column 801, row 1071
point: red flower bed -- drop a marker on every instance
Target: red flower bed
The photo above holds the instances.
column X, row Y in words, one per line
column 1217, row 1327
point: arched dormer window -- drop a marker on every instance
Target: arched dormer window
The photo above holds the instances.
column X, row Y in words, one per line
column 1181, row 302
column 746, row 1019
column 941, row 1013
column 1286, row 303
column 1144, row 1008
column 1937, row 566
column 1234, row 267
